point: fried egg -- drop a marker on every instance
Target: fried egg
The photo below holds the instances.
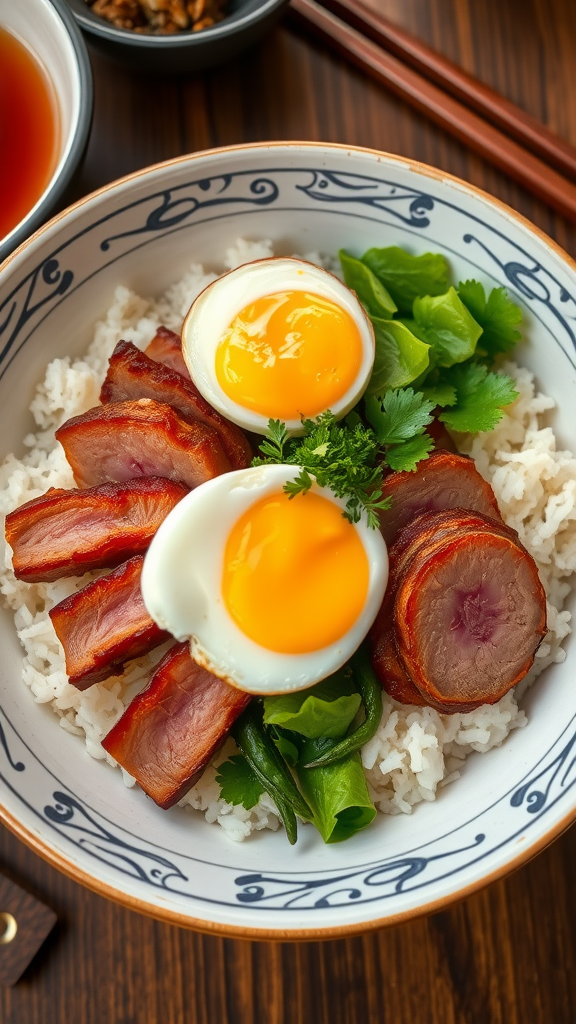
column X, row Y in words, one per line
column 274, row 593
column 278, row 339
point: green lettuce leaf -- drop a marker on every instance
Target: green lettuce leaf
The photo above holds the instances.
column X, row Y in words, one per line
column 368, row 288
column 327, row 709
column 498, row 316
column 480, row 398
column 238, row 783
column 406, row 276
column 448, row 327
column 400, row 356
column 337, row 793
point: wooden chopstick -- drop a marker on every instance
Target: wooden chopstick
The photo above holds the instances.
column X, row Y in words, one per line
column 451, row 115
column 464, row 87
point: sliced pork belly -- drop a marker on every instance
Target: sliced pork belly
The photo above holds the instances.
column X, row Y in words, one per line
column 166, row 347
column 132, row 374
column 469, row 615
column 67, row 533
column 443, row 480
column 104, row 625
column 124, row 440
column 171, row 730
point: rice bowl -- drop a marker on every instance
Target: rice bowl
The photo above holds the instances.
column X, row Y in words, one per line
column 411, row 757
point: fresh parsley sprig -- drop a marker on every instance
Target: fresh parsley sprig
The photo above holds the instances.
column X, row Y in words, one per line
column 342, row 456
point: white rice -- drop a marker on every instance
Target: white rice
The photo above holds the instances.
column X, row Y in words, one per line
column 416, row 750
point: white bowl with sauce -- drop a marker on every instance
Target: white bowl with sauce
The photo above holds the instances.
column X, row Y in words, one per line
column 46, row 29
column 144, row 232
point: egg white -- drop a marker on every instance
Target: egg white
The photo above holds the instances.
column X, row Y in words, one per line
column 182, row 580
column 216, row 307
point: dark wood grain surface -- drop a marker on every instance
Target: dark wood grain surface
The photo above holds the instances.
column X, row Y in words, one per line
column 507, row 955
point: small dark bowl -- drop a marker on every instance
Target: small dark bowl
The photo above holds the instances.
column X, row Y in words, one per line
column 183, row 52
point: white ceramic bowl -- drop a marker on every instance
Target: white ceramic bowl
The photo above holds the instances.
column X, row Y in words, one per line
column 48, row 29
column 143, row 232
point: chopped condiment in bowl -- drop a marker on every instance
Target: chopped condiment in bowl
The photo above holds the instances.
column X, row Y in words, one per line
column 160, row 17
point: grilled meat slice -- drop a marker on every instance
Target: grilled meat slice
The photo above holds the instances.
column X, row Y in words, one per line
column 171, row 730
column 469, row 615
column 124, row 440
column 132, row 374
column 68, row 533
column 166, row 347
column 425, row 533
column 443, row 480
column 105, row 624
column 386, row 662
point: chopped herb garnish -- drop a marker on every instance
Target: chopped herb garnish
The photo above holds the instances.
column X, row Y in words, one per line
column 340, row 456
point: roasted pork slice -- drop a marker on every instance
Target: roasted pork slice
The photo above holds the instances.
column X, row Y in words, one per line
column 423, row 534
column 430, row 529
column 124, row 440
column 171, row 730
column 469, row 615
column 132, row 374
column 104, row 625
column 386, row 662
column 166, row 347
column 68, row 533
column 443, row 480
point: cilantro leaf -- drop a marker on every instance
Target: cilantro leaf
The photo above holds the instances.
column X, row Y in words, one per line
column 238, row 783
column 497, row 315
column 406, row 456
column 399, row 419
column 480, row 398
column 406, row 276
column 448, row 326
column 400, row 356
column 442, row 393
column 368, row 288
column 398, row 415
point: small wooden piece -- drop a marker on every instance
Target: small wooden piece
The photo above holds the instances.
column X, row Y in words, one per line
column 25, row 923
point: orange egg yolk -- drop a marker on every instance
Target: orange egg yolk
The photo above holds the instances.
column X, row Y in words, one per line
column 295, row 573
column 289, row 355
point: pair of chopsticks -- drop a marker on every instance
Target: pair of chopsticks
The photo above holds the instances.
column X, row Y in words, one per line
column 478, row 116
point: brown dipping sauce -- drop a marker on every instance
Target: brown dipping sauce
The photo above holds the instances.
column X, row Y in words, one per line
column 29, row 131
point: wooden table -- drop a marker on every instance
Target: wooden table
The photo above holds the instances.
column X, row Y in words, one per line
column 506, row 955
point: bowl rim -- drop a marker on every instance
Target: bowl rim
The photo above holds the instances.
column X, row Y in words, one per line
column 65, row 864
column 79, row 132
column 230, row 25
